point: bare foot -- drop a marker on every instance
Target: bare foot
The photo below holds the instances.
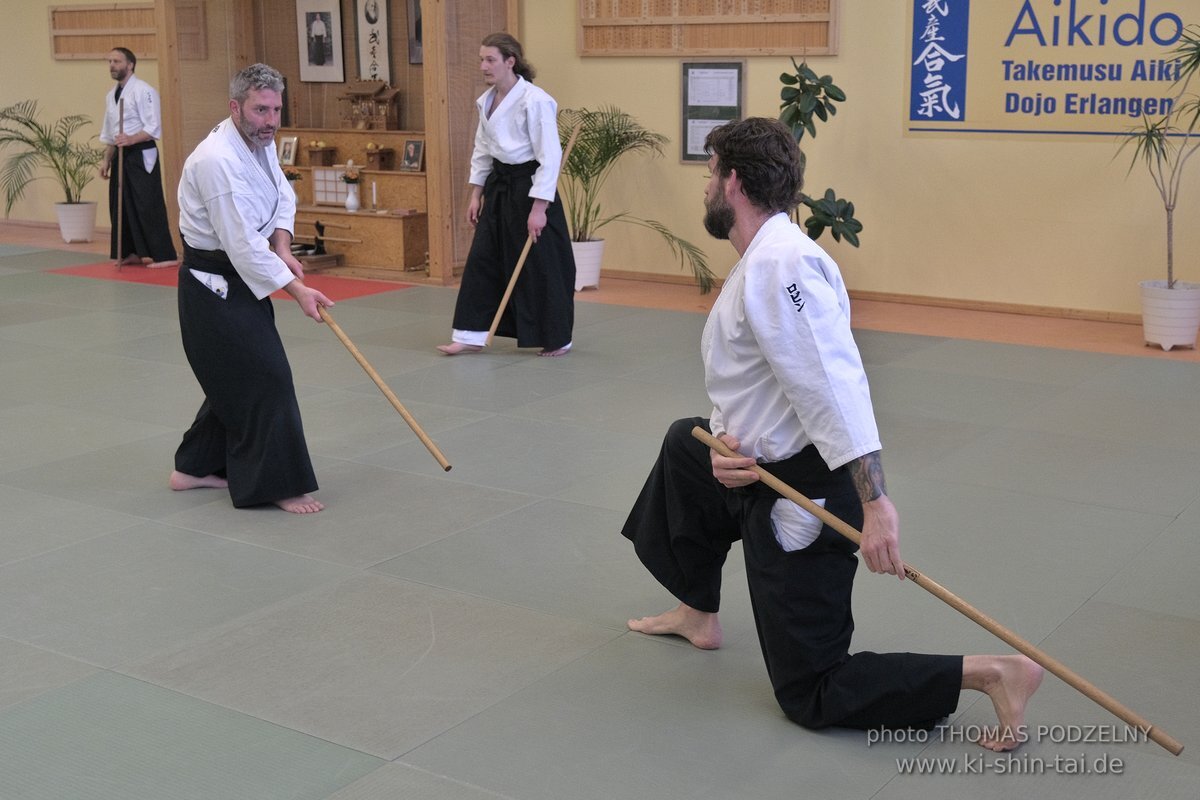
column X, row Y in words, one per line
column 161, row 264
column 454, row 348
column 304, row 504
column 700, row 628
column 562, row 351
column 131, row 259
column 1010, row 681
column 181, row 481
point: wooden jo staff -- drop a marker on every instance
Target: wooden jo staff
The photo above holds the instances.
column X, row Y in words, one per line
column 512, row 282
column 383, row 387
column 120, row 181
column 1157, row 735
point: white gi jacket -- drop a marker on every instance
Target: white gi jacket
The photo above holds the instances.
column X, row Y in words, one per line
column 232, row 198
column 780, row 365
column 523, row 128
column 141, row 114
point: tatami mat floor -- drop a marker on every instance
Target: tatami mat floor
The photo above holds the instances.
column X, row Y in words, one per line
column 461, row 635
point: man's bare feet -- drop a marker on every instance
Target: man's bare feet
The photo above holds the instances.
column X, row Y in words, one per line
column 1010, row 681
column 304, row 504
column 161, row 264
column 454, row 348
column 562, row 351
column 181, row 481
column 700, row 628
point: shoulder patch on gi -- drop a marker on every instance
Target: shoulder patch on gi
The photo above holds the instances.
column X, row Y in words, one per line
column 794, row 293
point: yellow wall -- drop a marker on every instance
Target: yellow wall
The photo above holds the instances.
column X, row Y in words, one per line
column 1044, row 223
column 60, row 87
column 1053, row 223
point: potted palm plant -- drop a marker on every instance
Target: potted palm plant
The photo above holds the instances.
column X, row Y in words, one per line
column 605, row 136
column 37, row 145
column 1165, row 145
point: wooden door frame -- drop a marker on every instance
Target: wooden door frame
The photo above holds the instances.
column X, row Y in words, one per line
column 441, row 193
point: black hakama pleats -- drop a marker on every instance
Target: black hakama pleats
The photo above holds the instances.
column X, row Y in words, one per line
column 144, row 217
column 682, row 527
column 541, row 312
column 248, row 429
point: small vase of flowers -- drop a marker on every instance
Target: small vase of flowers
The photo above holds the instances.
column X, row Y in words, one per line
column 351, row 177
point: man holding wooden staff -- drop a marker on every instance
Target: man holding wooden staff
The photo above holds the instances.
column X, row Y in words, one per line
column 236, row 216
column 789, row 392
column 136, row 207
column 514, row 172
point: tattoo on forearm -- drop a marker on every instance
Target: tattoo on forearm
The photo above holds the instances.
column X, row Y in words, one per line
column 867, row 474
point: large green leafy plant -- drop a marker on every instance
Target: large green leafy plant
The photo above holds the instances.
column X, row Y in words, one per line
column 807, row 98
column 605, row 136
column 32, row 145
column 1165, row 144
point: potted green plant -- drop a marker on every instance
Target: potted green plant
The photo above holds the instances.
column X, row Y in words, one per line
column 1165, row 145
column 605, row 136
column 37, row 145
column 807, row 97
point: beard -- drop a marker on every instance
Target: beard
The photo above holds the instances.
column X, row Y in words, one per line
column 257, row 136
column 718, row 217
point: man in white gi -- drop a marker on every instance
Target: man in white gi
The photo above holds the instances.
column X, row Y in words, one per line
column 785, row 378
column 514, row 175
column 133, row 123
column 236, row 216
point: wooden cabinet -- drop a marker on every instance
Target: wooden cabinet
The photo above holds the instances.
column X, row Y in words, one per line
column 388, row 237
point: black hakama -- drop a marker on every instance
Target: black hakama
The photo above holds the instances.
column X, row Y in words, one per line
column 541, row 311
column 248, row 428
column 144, row 216
column 682, row 527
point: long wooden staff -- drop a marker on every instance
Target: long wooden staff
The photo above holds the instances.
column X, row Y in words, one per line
column 383, row 387
column 1172, row 745
column 512, row 282
column 120, row 181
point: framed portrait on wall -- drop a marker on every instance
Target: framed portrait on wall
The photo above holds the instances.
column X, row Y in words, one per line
column 287, row 150
column 414, row 33
column 319, row 28
column 413, row 157
column 371, row 34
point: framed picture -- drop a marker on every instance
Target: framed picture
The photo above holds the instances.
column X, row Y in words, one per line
column 319, row 28
column 371, row 27
column 713, row 94
column 414, row 32
column 414, row 155
column 287, row 150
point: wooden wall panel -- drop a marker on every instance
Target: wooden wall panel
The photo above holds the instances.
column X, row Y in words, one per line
column 707, row 27
column 91, row 32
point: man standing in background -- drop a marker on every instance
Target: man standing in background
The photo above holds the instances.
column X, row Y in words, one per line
column 144, row 233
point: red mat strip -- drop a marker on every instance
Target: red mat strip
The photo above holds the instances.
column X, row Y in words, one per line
column 332, row 286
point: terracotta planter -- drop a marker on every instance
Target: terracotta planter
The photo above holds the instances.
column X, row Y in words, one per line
column 76, row 221
column 588, row 256
column 1170, row 317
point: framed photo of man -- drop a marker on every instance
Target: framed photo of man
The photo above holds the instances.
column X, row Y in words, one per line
column 287, row 150
column 319, row 28
column 414, row 155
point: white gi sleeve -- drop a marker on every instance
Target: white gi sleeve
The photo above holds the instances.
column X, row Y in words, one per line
column 481, row 158
column 227, row 200
column 542, row 119
column 805, row 337
column 149, row 117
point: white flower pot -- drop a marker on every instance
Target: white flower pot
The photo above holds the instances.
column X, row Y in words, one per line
column 76, row 221
column 588, row 256
column 1170, row 317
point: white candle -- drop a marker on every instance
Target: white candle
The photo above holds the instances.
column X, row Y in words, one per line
column 373, row 204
